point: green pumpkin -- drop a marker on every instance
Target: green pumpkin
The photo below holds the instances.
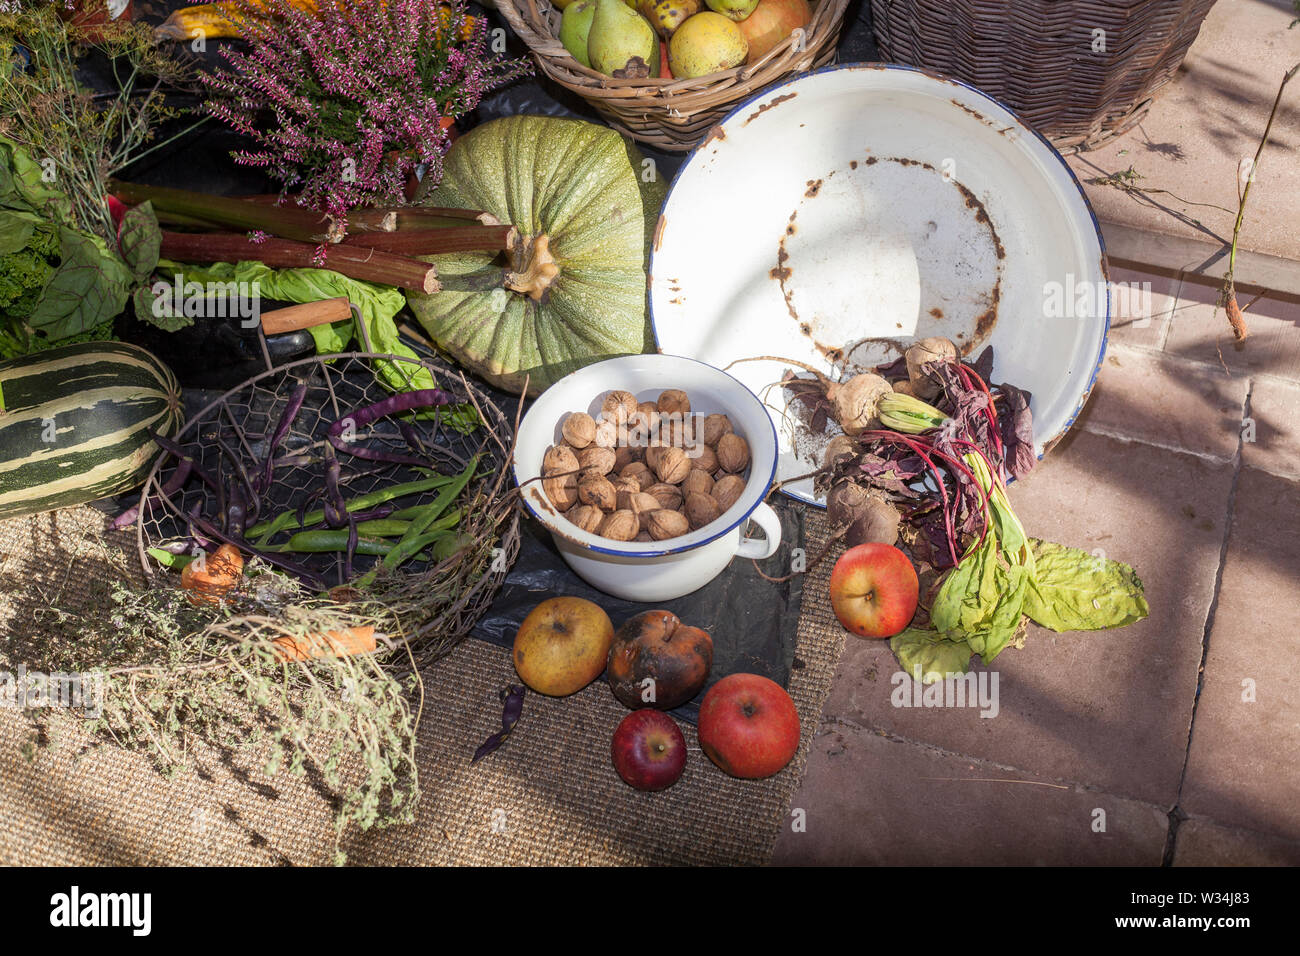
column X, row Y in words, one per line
column 572, row 289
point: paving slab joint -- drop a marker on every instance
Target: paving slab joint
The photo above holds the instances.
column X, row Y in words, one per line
column 1176, row 813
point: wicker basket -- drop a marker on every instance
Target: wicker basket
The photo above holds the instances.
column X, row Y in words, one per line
column 1039, row 57
column 671, row 114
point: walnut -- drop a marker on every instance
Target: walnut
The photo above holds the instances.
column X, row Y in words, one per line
column 625, row 484
column 703, row 458
column 637, row 502
column 620, row 526
column 624, row 456
column 674, row 402
column 597, row 491
column 645, row 420
column 653, row 452
column 673, row 466
column 558, row 460
column 640, row 472
column 673, row 431
column 697, row 482
column 586, row 517
column 606, row 434
column 562, row 491
column 733, row 452
column 618, row 406
column 668, row 496
column 715, row 426
column 664, row 524
column 701, row 510
column 727, row 491
column 579, row 429
column 595, row 460
column 643, row 538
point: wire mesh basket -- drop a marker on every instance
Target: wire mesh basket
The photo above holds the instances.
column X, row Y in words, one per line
column 438, row 595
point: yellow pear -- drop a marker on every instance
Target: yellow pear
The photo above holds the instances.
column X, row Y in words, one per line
column 667, row 15
column 706, row 43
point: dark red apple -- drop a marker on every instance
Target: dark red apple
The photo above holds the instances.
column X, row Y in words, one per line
column 649, row 750
column 748, row 726
column 874, row 590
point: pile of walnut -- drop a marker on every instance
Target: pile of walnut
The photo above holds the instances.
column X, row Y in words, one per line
column 645, row 471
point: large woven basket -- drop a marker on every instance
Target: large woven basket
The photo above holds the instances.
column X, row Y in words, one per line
column 672, row 115
column 1043, row 58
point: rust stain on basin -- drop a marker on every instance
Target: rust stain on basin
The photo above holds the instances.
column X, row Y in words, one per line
column 659, row 232
column 982, row 217
column 767, row 106
column 814, row 187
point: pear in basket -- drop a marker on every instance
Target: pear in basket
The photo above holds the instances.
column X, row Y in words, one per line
column 575, row 27
column 732, row 9
column 621, row 42
column 667, row 15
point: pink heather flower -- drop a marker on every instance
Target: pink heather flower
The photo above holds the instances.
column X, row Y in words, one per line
column 346, row 101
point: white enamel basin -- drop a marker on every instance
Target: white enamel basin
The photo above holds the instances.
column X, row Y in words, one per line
column 833, row 217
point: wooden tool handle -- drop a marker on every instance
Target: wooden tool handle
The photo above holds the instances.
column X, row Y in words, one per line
column 304, row 316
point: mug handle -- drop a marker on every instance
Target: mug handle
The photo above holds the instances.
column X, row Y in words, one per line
column 765, row 547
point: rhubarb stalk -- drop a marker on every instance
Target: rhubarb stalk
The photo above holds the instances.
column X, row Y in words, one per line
column 288, row 221
column 355, row 262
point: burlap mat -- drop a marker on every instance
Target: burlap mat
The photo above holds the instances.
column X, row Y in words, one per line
column 548, row 796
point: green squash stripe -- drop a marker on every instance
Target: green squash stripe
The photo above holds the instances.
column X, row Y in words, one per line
column 76, row 436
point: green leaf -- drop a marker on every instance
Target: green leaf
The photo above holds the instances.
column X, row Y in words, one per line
column 16, row 230
column 157, row 312
column 90, row 286
column 981, row 601
column 139, row 239
column 21, row 186
column 1073, row 590
column 378, row 305
column 929, row 656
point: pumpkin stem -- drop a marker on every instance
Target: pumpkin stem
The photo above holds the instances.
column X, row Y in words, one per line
column 533, row 268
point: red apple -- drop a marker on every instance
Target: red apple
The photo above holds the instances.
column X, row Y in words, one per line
column 874, row 590
column 649, row 750
column 748, row 726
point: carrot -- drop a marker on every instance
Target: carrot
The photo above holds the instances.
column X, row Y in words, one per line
column 344, row 643
column 209, row 578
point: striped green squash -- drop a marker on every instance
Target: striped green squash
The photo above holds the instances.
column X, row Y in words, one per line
column 75, row 421
column 572, row 291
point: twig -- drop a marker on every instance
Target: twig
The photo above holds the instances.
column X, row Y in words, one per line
column 1234, row 311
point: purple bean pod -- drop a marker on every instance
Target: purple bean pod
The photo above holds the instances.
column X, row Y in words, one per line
column 287, row 418
column 335, row 507
column 173, row 484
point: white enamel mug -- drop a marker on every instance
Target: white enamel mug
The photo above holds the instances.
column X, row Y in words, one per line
column 659, row 570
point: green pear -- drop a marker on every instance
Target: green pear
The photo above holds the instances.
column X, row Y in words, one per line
column 621, row 42
column 732, row 9
column 575, row 25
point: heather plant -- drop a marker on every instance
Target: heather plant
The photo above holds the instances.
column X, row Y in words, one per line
column 345, row 101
